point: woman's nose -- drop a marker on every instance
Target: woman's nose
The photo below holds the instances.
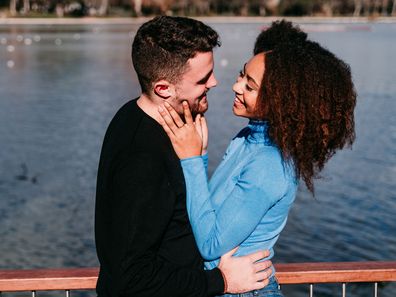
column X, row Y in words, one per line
column 237, row 87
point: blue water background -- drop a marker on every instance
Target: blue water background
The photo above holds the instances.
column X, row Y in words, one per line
column 61, row 85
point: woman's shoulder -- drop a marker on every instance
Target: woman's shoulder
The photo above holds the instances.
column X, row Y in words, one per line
column 269, row 168
column 266, row 155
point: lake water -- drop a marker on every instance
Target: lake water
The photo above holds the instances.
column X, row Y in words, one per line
column 61, row 85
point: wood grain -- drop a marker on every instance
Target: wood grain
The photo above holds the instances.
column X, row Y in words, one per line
column 290, row 273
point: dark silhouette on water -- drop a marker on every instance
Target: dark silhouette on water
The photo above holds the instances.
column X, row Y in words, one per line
column 24, row 176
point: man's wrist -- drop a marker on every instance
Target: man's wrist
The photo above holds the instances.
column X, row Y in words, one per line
column 215, row 282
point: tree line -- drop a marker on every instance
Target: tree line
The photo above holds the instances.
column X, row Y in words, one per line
column 202, row 7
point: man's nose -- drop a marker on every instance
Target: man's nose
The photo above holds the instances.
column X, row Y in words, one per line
column 212, row 82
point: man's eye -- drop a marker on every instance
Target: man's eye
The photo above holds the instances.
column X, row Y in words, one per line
column 241, row 74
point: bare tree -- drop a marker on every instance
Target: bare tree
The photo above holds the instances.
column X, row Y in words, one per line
column 394, row 8
column 244, row 8
column 384, row 8
column 272, row 5
column 367, row 6
column 137, row 6
column 104, row 7
column 376, row 7
column 268, row 5
column 13, row 4
column 358, row 8
column 26, row 6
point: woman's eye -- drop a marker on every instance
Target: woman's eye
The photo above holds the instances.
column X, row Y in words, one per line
column 249, row 88
column 241, row 74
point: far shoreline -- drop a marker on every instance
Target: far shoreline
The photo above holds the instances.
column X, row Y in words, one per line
column 208, row 19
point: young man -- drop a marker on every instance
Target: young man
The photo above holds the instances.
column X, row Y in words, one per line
column 144, row 240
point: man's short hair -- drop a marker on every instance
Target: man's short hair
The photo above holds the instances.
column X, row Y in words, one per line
column 163, row 45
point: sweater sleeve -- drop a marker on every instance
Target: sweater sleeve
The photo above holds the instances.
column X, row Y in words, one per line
column 142, row 194
column 218, row 231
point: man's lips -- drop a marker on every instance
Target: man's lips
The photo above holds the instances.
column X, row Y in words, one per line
column 203, row 96
column 203, row 99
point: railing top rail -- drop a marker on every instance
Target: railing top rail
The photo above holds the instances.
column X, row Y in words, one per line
column 336, row 272
column 48, row 279
column 290, row 273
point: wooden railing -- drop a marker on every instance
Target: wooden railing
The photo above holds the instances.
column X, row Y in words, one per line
column 298, row 273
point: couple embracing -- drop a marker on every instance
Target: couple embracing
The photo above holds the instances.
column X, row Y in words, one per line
column 162, row 227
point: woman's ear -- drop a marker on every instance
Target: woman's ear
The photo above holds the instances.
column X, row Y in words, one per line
column 164, row 89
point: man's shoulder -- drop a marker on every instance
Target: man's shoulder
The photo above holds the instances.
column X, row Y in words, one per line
column 125, row 114
column 131, row 128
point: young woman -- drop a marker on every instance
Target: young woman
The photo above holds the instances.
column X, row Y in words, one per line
column 299, row 99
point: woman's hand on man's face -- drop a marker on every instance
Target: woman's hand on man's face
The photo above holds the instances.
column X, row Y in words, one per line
column 205, row 133
column 189, row 138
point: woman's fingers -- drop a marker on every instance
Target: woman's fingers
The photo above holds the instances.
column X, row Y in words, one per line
column 166, row 127
column 175, row 116
column 205, row 133
column 204, row 125
column 170, row 124
column 197, row 124
column 187, row 113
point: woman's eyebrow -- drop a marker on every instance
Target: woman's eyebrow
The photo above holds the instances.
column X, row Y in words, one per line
column 249, row 77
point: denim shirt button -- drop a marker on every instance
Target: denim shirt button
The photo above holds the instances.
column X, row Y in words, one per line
column 255, row 293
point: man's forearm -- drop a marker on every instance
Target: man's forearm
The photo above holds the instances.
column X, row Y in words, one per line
column 157, row 278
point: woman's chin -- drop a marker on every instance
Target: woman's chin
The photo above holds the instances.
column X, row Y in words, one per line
column 236, row 111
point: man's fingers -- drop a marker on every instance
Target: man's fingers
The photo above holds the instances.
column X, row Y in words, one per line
column 259, row 266
column 230, row 253
column 167, row 119
column 187, row 113
column 259, row 255
column 175, row 116
column 260, row 285
column 263, row 275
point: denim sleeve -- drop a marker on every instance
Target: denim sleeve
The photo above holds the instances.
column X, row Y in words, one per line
column 219, row 230
column 205, row 159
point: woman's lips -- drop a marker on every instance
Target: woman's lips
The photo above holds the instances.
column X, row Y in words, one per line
column 238, row 102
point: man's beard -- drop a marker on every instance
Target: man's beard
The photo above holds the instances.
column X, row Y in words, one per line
column 197, row 108
column 202, row 105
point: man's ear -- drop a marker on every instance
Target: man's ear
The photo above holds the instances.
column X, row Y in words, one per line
column 164, row 89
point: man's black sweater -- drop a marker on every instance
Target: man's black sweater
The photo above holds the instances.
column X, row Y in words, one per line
column 143, row 237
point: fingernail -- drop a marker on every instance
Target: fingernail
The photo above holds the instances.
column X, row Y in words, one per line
column 166, row 104
column 160, row 109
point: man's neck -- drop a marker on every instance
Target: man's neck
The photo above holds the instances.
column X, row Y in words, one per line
column 149, row 106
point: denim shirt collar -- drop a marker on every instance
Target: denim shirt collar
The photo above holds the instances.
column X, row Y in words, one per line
column 258, row 132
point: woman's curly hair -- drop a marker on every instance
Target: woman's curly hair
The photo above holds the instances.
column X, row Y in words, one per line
column 308, row 97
